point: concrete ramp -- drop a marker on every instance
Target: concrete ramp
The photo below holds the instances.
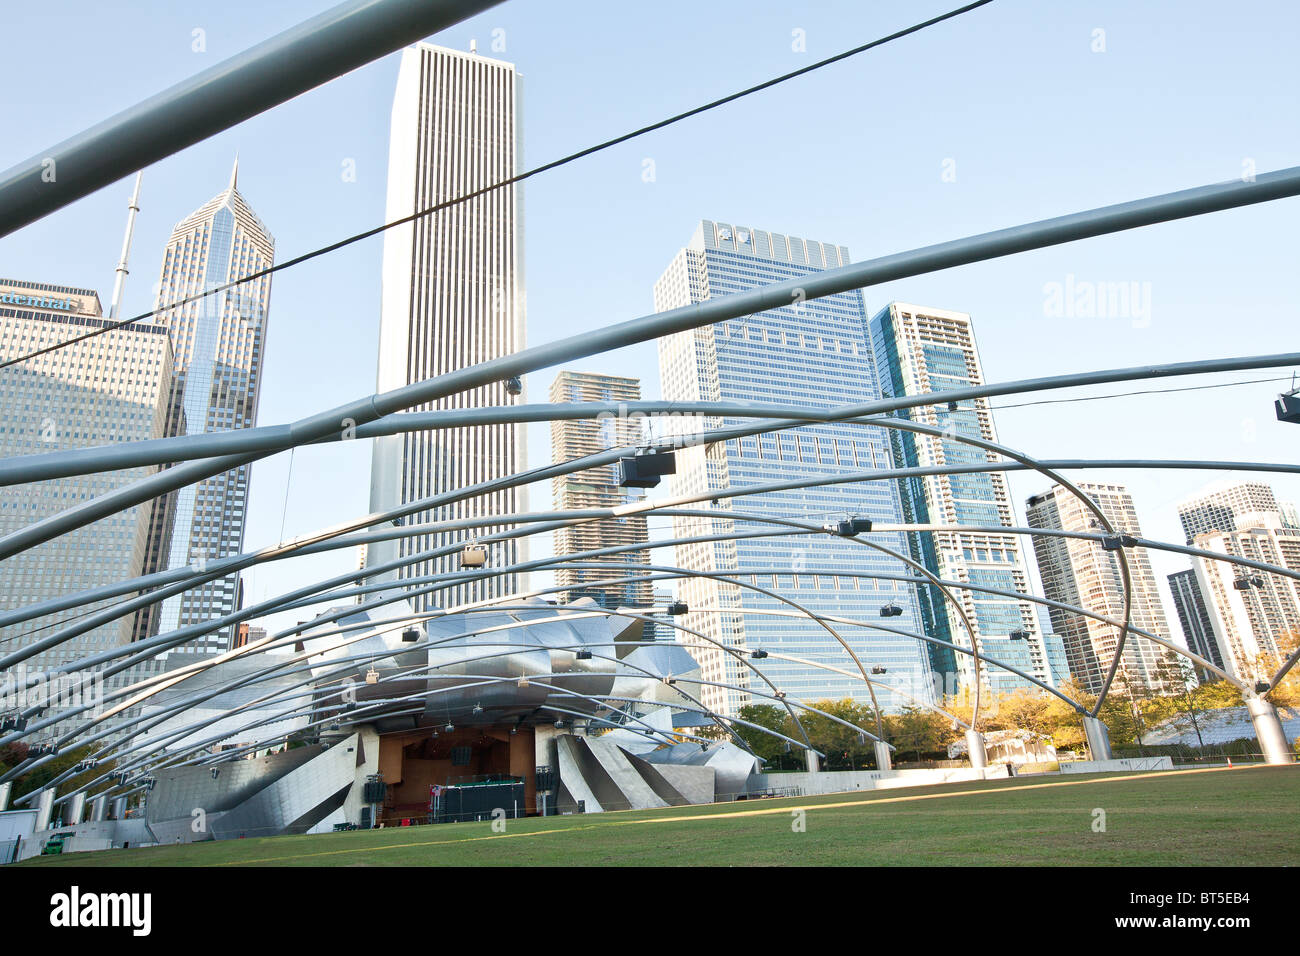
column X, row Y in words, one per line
column 607, row 777
column 574, row 786
column 635, row 793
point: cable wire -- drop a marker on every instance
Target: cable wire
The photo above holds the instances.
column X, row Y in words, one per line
column 510, row 181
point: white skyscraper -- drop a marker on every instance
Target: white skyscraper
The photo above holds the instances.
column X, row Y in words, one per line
column 452, row 298
column 1081, row 572
column 1218, row 506
column 1254, row 617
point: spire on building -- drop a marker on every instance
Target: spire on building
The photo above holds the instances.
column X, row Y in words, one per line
column 119, row 280
column 234, row 174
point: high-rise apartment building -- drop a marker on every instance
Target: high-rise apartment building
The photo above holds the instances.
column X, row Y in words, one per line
column 813, row 353
column 1254, row 616
column 219, row 341
column 921, row 351
column 1194, row 618
column 114, row 387
column 452, row 298
column 1224, row 506
column 1217, row 507
column 598, row 487
column 1083, row 573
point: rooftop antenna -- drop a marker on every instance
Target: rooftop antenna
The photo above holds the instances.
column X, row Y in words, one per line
column 120, row 279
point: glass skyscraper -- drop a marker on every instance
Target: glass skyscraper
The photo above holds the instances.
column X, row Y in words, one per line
column 921, row 351
column 813, row 353
column 219, row 342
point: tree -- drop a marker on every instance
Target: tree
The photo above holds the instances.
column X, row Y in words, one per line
column 920, row 731
column 844, row 747
column 38, row 777
column 770, row 748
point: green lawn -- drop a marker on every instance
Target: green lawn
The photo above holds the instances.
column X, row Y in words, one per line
column 1245, row 816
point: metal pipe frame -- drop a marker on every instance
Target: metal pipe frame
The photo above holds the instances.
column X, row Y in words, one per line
column 345, row 418
column 1004, row 242
column 402, row 622
column 95, row 620
column 272, row 72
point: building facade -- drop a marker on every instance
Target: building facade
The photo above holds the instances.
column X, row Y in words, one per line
column 219, row 342
column 813, row 353
column 1082, row 573
column 1217, row 507
column 1254, row 616
column 598, row 488
column 1194, row 619
column 921, row 351
column 115, row 387
column 452, row 298
column 1224, row 506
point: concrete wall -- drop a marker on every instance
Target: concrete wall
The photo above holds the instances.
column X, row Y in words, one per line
column 1126, row 764
column 846, row 781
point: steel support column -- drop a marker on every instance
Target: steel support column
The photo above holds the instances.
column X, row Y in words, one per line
column 44, row 809
column 1098, row 736
column 1268, row 729
column 884, row 761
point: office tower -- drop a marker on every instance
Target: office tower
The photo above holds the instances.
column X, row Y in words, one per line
column 598, row 488
column 219, row 342
column 1254, row 616
column 812, row 353
column 1194, row 618
column 452, row 298
column 920, row 351
column 1217, row 507
column 114, row 387
column 1081, row 572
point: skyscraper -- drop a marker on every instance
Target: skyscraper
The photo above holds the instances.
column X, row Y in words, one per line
column 1083, row 573
column 813, row 353
column 1223, row 506
column 219, row 341
column 1194, row 618
column 1254, row 616
column 598, row 488
column 921, row 351
column 1218, row 506
column 114, row 387
column 452, row 297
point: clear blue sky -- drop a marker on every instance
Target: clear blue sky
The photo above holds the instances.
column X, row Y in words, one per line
column 1033, row 121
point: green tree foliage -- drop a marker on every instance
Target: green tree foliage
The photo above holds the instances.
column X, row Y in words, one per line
column 920, row 732
column 844, row 747
column 770, row 748
column 35, row 779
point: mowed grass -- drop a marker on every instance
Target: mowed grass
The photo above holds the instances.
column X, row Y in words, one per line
column 1219, row 817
